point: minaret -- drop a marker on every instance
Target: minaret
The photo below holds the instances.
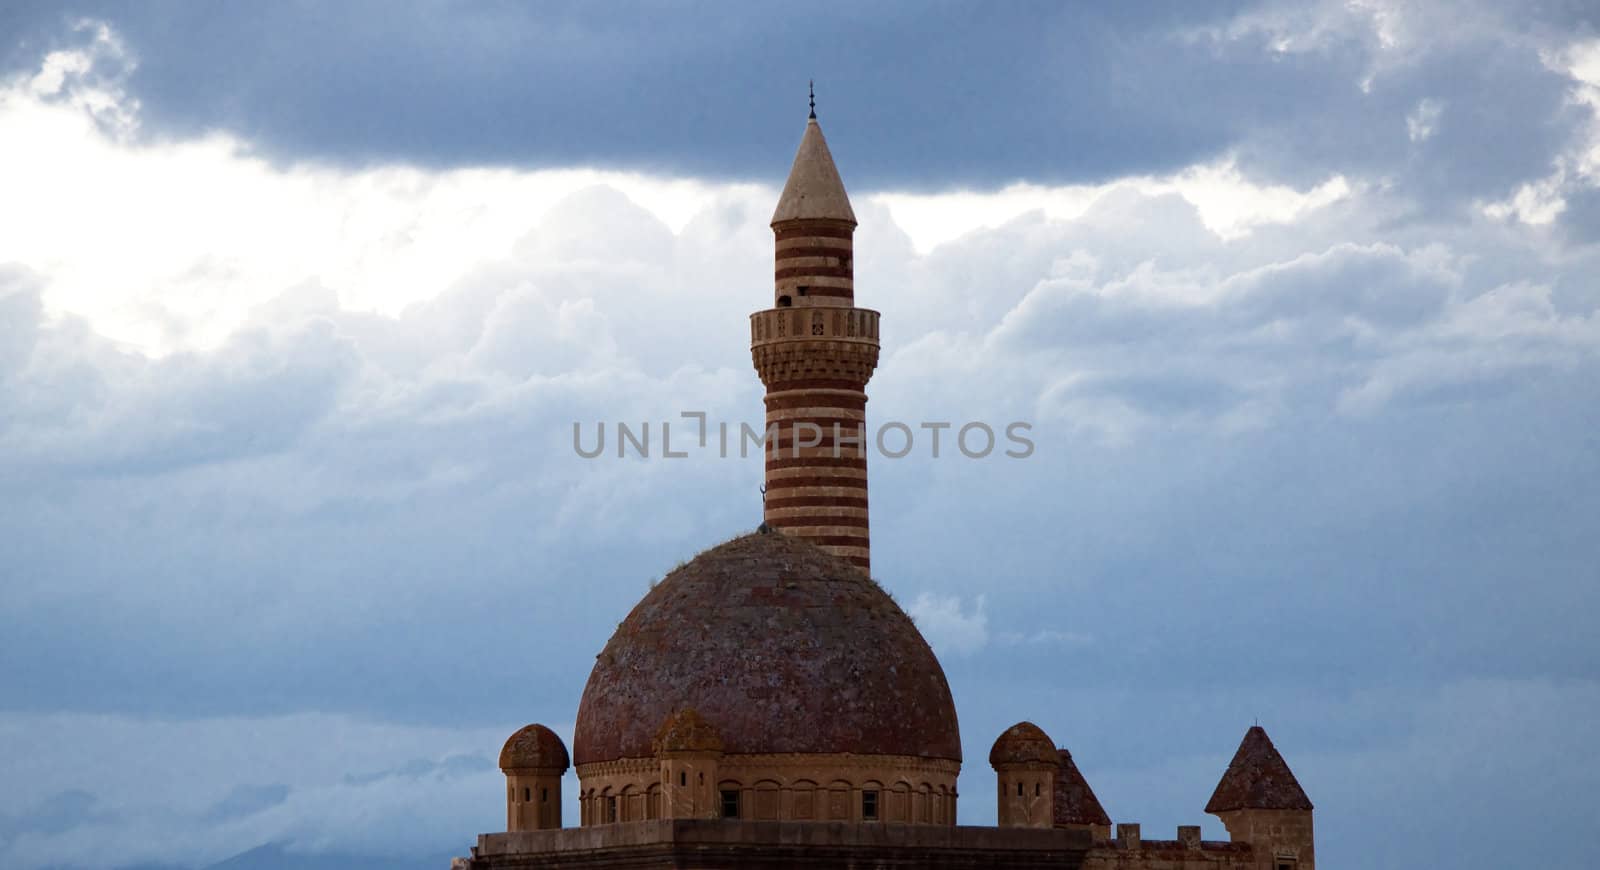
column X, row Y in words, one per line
column 815, row 351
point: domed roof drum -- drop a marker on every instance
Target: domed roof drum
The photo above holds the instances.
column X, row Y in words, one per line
column 534, row 746
column 1023, row 743
column 782, row 648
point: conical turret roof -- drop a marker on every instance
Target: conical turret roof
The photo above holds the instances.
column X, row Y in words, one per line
column 1075, row 800
column 813, row 191
column 1258, row 779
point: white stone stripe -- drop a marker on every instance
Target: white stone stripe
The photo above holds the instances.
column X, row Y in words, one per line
column 859, row 532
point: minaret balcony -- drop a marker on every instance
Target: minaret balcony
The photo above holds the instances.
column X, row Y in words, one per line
column 780, row 325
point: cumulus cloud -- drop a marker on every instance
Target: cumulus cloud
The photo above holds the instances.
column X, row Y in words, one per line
column 1424, row 119
column 949, row 626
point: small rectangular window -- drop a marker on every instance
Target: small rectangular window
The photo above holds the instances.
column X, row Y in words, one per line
column 544, row 795
column 869, row 805
column 683, row 778
column 526, row 796
column 611, row 809
column 730, row 803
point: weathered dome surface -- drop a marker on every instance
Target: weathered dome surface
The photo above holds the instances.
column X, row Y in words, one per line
column 534, row 746
column 687, row 731
column 1022, row 743
column 783, row 648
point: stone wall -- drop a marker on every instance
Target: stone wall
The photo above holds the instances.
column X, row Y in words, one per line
column 1282, row 838
column 691, row 844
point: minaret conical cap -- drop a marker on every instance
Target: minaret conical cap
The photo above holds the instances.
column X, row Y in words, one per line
column 813, row 191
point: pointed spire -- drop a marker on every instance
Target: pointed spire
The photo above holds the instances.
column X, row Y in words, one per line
column 814, row 190
column 1075, row 800
column 1258, row 779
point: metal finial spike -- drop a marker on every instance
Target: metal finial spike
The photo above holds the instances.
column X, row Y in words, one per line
column 811, row 88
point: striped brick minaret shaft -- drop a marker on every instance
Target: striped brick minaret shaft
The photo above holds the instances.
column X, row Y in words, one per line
column 815, row 352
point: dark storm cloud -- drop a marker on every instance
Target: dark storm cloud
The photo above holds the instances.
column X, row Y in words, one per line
column 935, row 96
column 979, row 94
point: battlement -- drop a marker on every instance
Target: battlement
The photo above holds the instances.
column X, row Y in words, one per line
column 1130, row 851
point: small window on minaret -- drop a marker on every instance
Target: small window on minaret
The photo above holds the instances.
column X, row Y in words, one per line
column 783, row 302
column 544, row 795
column 1019, row 789
column 527, row 795
column 802, row 289
column 683, row 778
column 869, row 805
column 1035, row 789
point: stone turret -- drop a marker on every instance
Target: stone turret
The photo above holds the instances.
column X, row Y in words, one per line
column 1261, row 803
column 815, row 351
column 533, row 760
column 1025, row 766
column 688, row 748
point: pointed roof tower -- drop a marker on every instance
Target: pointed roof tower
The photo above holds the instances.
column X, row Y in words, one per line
column 813, row 191
column 1258, row 779
column 1075, row 800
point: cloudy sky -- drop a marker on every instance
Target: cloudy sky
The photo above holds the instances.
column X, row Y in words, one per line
column 299, row 304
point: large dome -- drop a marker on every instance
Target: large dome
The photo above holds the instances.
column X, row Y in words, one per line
column 783, row 648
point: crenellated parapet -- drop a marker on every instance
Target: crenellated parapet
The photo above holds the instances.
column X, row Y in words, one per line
column 1266, row 813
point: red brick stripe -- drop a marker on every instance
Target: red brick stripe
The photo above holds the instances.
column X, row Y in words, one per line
column 830, row 292
column 796, row 482
column 811, row 251
column 817, row 501
column 821, row 231
column 846, row 425
column 831, row 540
column 784, row 446
column 810, row 271
column 816, row 461
column 820, row 384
